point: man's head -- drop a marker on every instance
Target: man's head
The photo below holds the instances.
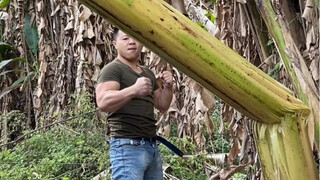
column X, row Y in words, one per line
column 128, row 48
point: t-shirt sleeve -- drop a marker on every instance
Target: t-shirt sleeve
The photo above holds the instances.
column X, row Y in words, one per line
column 110, row 72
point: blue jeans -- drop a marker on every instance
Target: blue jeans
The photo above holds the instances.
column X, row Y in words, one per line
column 135, row 160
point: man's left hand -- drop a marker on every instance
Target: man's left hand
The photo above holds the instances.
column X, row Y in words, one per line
column 167, row 79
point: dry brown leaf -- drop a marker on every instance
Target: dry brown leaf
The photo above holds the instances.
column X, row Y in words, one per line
column 181, row 129
column 314, row 67
column 227, row 113
column 208, row 123
column 4, row 16
column 167, row 129
column 58, row 7
column 199, row 140
column 208, row 99
column 308, row 11
column 234, row 151
column 199, row 104
column 96, row 74
column 68, row 27
column 85, row 13
column 173, row 107
column 90, row 33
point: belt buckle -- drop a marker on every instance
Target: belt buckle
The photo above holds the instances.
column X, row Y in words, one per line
column 142, row 141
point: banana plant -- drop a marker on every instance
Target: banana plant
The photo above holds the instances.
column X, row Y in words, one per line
column 4, row 3
column 7, row 51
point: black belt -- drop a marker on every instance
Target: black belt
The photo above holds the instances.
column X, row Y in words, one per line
column 170, row 146
column 163, row 141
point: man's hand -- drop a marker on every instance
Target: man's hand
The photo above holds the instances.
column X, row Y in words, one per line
column 167, row 79
column 143, row 86
column 163, row 96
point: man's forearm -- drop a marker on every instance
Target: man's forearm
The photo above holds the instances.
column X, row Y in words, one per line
column 165, row 99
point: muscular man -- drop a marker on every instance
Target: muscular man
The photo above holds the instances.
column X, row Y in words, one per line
column 129, row 93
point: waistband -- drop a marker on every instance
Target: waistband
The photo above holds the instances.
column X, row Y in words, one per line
column 153, row 140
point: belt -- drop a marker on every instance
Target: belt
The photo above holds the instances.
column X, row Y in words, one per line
column 170, row 146
column 154, row 139
column 163, row 141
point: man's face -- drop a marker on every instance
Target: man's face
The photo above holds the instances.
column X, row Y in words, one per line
column 127, row 47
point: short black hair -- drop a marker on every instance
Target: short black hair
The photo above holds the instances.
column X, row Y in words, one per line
column 115, row 33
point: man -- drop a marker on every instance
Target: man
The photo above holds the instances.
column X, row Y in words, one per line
column 129, row 92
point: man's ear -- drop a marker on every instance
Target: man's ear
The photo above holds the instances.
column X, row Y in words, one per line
column 114, row 44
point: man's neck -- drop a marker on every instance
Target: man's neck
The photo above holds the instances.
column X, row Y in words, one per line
column 131, row 63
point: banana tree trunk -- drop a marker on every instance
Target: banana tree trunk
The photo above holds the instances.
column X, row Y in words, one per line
column 282, row 152
column 212, row 64
column 294, row 64
column 298, row 73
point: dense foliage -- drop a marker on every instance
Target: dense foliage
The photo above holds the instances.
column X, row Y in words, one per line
column 56, row 154
column 78, row 148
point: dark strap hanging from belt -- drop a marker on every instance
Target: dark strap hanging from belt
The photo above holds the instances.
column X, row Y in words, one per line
column 170, row 146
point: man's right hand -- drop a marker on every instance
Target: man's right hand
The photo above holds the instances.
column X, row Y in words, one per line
column 143, row 86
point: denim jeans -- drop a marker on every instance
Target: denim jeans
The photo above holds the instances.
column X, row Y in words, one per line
column 135, row 160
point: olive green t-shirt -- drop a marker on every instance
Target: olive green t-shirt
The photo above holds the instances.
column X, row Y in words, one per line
column 135, row 118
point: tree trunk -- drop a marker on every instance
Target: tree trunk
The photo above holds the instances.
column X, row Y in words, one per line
column 222, row 71
column 292, row 59
column 282, row 152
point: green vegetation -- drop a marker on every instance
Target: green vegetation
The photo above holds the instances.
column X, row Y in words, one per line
column 220, row 142
column 4, row 3
column 7, row 58
column 66, row 151
column 191, row 168
column 58, row 153
column 77, row 148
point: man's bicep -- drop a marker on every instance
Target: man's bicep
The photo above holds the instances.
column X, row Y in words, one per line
column 106, row 86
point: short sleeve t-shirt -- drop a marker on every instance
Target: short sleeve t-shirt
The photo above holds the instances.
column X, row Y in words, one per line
column 136, row 117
